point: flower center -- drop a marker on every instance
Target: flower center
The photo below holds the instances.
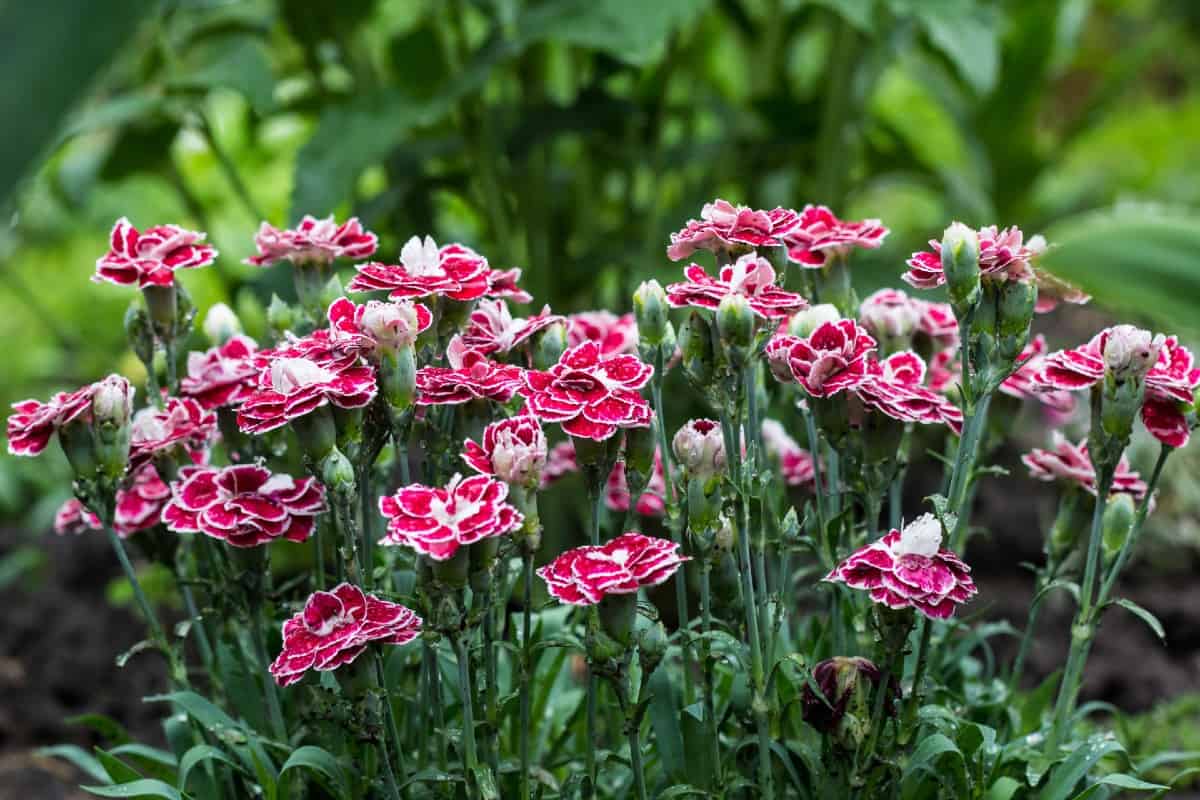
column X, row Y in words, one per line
column 422, row 257
column 289, row 375
column 922, row 537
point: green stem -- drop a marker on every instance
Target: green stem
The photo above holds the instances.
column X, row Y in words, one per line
column 526, row 663
column 178, row 675
column 259, row 634
column 914, row 698
column 596, row 496
column 365, row 514
column 434, row 676
column 318, row 539
column 632, row 730
column 814, row 449
column 964, row 466
column 1135, row 530
column 1035, row 609
column 881, row 695
column 710, row 713
column 470, row 756
column 229, row 169
column 393, row 731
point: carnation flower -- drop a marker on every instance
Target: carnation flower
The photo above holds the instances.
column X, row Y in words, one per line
column 1022, row 383
column 33, row 423
column 560, row 462
column 492, row 328
column 244, row 505
column 453, row 271
column 222, row 376
column 844, row 681
column 1003, row 255
column 470, row 376
column 889, row 313
column 795, row 463
column 723, row 227
column 834, row 358
column 615, row 335
column 291, row 386
column 502, row 285
column 1071, row 463
column 335, row 628
column 73, row 517
column 1170, row 380
column 151, row 257
column 590, row 395
column 937, row 321
column 750, row 276
column 377, row 326
column 436, row 522
column 583, row 576
column 138, row 507
column 650, row 504
column 894, row 387
column 182, row 423
column 910, row 569
column 313, row 241
column 699, row 447
column 512, row 449
column 819, row 234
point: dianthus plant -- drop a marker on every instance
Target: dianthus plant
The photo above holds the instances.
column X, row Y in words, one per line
column 748, row 604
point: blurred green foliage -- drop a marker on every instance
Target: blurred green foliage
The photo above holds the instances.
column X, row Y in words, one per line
column 572, row 136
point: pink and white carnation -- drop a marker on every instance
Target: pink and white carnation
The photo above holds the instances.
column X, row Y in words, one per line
column 750, row 276
column 139, row 507
column 222, row 376
column 818, row 234
column 725, row 227
column 560, row 462
column 376, row 326
column 335, row 628
column 183, row 425
column 513, row 450
column 1071, row 463
column 890, row 313
column 615, row 335
column 291, row 386
column 244, row 505
column 1022, row 384
column 33, row 423
column 313, row 241
column 502, row 285
column 492, row 328
column 592, row 396
column 470, row 376
column 910, row 569
column 833, row 359
column 894, row 386
column 453, row 271
column 795, row 463
column 1003, row 255
column 437, row 521
column 74, row 517
column 1170, row 374
column 585, row 575
column 150, row 258
column 937, row 321
column 652, row 502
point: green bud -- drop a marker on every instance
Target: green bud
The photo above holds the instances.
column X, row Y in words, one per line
column 650, row 308
column 652, row 646
column 221, row 324
column 337, row 473
column 640, row 444
column 1118, row 522
column 698, row 357
column 960, row 264
column 331, row 291
column 549, row 345
column 1014, row 318
column 704, row 504
column 803, row 323
column 161, row 302
column 139, row 334
column 618, row 612
column 1074, row 516
column 735, row 324
column 280, row 316
column 398, row 378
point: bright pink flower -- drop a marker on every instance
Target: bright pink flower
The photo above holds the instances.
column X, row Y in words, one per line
column 313, row 241
column 1071, row 463
column 492, row 328
column 723, row 226
column 470, row 376
column 436, row 522
column 73, row 517
column 222, row 376
column 376, row 326
column 583, row 576
column 937, row 321
column 1170, row 382
column 945, row 371
column 560, row 462
column 834, row 358
column 183, row 423
column 590, row 395
column 335, row 628
column 819, row 234
column 615, row 335
column 140, row 505
column 750, row 276
column 894, row 387
column 290, row 386
column 502, row 285
column 890, row 313
column 512, row 449
column 151, row 257
column 795, row 462
column 1003, row 255
column 650, row 504
column 452, row 271
column 1022, row 383
column 33, row 423
column 910, row 569
column 244, row 505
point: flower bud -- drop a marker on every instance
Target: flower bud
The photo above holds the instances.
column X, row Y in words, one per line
column 549, row 345
column 140, row 335
column 735, row 324
column 1119, row 514
column 1130, row 352
column 803, row 323
column 398, row 378
column 161, row 304
column 704, row 506
column 960, row 264
column 519, row 454
column 221, row 324
column 1073, row 517
column 652, row 646
column 337, row 473
column 650, row 308
column 618, row 612
column 843, row 708
column 280, row 316
column 393, row 326
column 640, row 444
column 699, row 446
column 696, row 350
column 1013, row 319
column 112, row 408
column 890, row 317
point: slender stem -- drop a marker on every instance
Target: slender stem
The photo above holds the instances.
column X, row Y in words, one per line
column 318, row 540
column 526, row 663
column 914, row 698
column 596, row 496
column 1135, row 530
column 365, row 514
column 632, row 729
column 393, row 731
column 259, row 634
column 710, row 713
column 230, row 170
column 1018, row 668
column 139, row 596
column 434, row 676
column 964, row 466
column 172, row 367
column 814, row 450
column 491, row 691
column 470, row 756
column 881, row 694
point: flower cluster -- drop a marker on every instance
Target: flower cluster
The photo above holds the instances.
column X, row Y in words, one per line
column 590, row 394
column 1071, row 463
column 438, row 521
column 585, row 575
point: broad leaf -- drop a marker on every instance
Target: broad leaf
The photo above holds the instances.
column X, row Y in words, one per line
column 141, row 788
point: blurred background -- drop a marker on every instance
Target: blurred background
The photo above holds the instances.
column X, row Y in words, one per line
column 570, row 137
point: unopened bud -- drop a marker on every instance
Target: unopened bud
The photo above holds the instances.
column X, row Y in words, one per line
column 960, row 264
column 1014, row 317
column 1130, row 352
column 392, row 325
column 112, row 408
column 696, row 351
column 640, row 444
column 890, row 316
column 735, row 324
column 1119, row 514
column 803, row 323
column 161, row 304
column 699, row 446
column 337, row 473
column 280, row 316
column 549, row 345
column 650, row 308
column 652, row 646
column 844, row 706
column 139, row 334
column 221, row 324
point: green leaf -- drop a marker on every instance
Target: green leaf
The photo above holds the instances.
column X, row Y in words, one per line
column 928, row 757
column 236, row 61
column 109, row 729
column 664, row 718
column 198, row 755
column 1003, row 789
column 1142, row 614
column 141, row 788
column 859, row 13
column 85, row 761
column 1153, row 253
column 1066, row 775
column 118, row 771
column 158, row 763
column 120, row 110
column 630, row 30
column 683, row 790
column 321, row 762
